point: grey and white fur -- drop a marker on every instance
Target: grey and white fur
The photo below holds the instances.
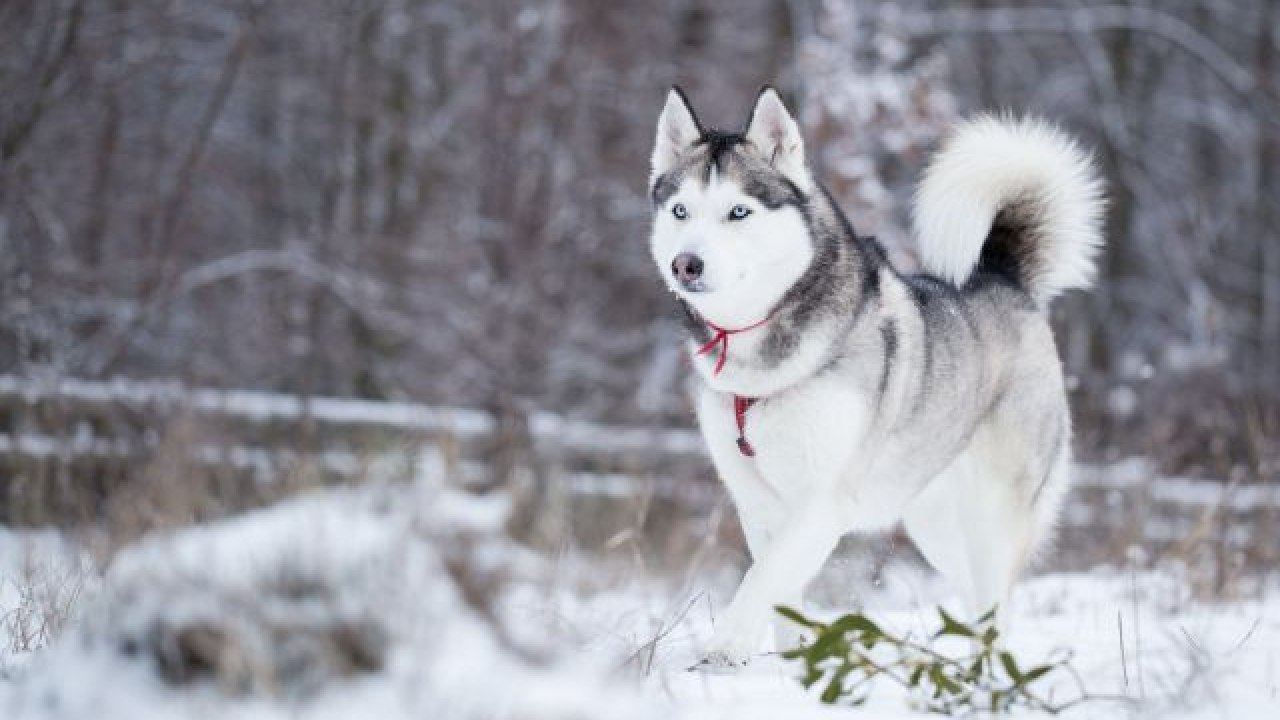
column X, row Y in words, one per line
column 936, row 399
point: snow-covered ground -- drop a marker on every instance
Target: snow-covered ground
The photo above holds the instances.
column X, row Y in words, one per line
column 410, row 602
column 347, row 603
column 1139, row 644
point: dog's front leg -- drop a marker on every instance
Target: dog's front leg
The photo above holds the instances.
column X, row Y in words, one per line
column 779, row 575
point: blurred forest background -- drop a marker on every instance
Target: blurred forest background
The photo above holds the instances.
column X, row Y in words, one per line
column 444, row 201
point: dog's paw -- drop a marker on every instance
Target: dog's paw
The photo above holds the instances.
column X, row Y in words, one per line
column 728, row 650
column 718, row 664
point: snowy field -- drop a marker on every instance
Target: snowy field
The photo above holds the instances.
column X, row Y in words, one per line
column 410, row 602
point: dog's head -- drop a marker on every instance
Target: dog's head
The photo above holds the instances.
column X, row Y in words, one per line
column 729, row 230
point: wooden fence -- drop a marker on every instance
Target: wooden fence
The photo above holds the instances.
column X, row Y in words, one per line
column 68, row 438
column 71, row 439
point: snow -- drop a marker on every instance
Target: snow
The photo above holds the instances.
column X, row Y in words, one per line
column 1180, row 658
column 339, row 604
column 410, row 601
column 259, row 406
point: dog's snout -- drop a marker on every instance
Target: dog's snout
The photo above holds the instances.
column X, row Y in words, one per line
column 687, row 268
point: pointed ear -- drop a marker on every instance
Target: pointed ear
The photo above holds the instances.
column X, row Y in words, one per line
column 776, row 136
column 678, row 130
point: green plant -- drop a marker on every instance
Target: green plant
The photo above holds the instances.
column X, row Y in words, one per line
column 849, row 653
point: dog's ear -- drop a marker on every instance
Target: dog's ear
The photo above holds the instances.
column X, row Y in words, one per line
column 774, row 134
column 678, row 130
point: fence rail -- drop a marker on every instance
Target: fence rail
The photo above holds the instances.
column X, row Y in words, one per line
column 55, row 433
column 57, row 436
column 408, row 418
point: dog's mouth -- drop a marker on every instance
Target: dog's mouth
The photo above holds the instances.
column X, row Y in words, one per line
column 700, row 288
column 693, row 286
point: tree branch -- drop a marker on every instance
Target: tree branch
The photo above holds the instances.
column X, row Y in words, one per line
column 1110, row 17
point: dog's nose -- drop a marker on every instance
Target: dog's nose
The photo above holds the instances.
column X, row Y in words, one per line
column 687, row 268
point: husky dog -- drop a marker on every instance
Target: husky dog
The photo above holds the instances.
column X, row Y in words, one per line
column 840, row 394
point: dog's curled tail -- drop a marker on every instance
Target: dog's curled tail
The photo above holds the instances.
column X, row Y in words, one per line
column 1015, row 197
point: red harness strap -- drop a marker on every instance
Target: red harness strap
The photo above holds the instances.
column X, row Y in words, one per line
column 720, row 342
column 740, row 407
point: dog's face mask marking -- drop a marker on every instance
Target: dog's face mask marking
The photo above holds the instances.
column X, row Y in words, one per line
column 729, row 231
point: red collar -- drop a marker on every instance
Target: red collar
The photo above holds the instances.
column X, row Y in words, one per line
column 720, row 341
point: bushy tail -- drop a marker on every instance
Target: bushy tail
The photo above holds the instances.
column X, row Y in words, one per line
column 1016, row 197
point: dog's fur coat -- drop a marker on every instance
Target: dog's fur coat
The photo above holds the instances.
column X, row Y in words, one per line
column 936, row 399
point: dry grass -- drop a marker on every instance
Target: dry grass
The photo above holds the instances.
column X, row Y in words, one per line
column 47, row 593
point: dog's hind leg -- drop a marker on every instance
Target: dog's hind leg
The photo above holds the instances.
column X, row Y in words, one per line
column 979, row 522
column 997, row 536
column 974, row 524
column 1021, row 464
column 935, row 523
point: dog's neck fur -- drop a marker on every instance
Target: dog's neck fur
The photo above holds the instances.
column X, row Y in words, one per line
column 810, row 324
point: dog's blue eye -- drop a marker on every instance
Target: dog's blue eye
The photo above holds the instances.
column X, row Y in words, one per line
column 679, row 211
column 738, row 212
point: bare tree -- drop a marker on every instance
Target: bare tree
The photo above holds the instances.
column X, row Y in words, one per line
column 444, row 200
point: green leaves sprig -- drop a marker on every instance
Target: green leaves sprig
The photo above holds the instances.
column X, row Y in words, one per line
column 848, row 654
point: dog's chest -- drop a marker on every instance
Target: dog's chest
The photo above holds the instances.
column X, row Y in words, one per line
column 801, row 438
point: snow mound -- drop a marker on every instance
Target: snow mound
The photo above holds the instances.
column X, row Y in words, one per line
column 369, row 603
